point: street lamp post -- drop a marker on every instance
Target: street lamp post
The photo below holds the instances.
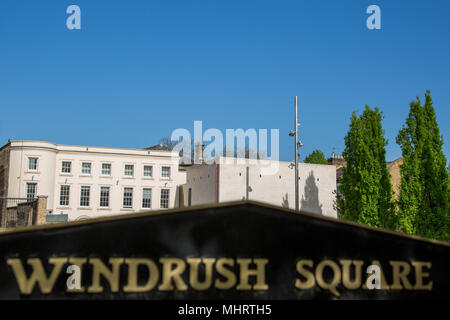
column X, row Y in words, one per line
column 297, row 144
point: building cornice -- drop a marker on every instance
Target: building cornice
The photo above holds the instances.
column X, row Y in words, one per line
column 42, row 145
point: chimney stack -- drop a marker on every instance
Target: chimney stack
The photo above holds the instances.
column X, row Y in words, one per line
column 198, row 152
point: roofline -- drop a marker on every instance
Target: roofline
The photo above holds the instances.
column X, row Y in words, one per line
column 5, row 145
column 219, row 162
column 62, row 225
column 82, row 146
column 393, row 161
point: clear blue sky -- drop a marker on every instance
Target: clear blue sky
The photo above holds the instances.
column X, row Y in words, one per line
column 139, row 69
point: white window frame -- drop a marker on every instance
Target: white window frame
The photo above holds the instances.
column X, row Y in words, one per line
column 123, row 198
column 101, row 198
column 62, row 167
column 162, row 172
column 29, row 162
column 151, row 171
column 82, row 168
column 110, row 169
column 88, row 195
column 65, row 195
column 125, row 170
column 161, row 199
column 144, row 199
column 27, row 190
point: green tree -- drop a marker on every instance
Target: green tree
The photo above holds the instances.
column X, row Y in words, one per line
column 448, row 191
column 423, row 199
column 316, row 157
column 365, row 189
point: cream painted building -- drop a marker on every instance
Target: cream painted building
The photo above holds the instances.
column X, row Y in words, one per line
column 230, row 179
column 84, row 182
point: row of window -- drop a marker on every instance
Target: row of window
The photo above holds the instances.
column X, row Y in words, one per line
column 127, row 201
column 86, row 169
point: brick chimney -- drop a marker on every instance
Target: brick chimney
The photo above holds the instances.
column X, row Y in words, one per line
column 337, row 160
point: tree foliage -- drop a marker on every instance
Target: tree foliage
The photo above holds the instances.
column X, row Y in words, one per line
column 448, row 191
column 365, row 190
column 448, row 198
column 316, row 157
column 166, row 142
column 423, row 199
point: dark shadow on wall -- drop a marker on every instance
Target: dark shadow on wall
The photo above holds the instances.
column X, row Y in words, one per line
column 310, row 198
column 179, row 196
column 285, row 202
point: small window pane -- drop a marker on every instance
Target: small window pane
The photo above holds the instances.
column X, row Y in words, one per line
column 128, row 197
column 64, row 196
column 129, row 170
column 85, row 196
column 165, row 173
column 148, row 171
column 165, row 198
column 147, row 198
column 86, row 168
column 32, row 163
column 104, row 197
column 66, row 167
column 106, row 169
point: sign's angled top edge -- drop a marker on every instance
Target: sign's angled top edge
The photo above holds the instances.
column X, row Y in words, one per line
column 62, row 225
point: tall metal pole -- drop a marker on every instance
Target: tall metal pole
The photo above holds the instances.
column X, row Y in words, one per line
column 296, row 152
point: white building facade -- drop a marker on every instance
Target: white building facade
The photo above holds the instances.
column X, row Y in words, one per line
column 230, row 179
column 85, row 182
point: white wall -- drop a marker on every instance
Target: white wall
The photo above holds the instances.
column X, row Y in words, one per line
column 44, row 176
column 201, row 179
column 49, row 177
column 316, row 186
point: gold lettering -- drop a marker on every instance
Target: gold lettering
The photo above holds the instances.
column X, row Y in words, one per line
column 310, row 281
column 346, row 264
column 38, row 274
column 133, row 267
column 111, row 275
column 226, row 273
column 420, row 275
column 259, row 272
column 400, row 271
column 193, row 274
column 336, row 276
column 172, row 270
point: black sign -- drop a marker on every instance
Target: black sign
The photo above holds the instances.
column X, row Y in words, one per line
column 242, row 250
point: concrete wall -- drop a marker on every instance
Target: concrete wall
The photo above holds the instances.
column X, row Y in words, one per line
column 201, row 179
column 49, row 177
column 316, row 186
